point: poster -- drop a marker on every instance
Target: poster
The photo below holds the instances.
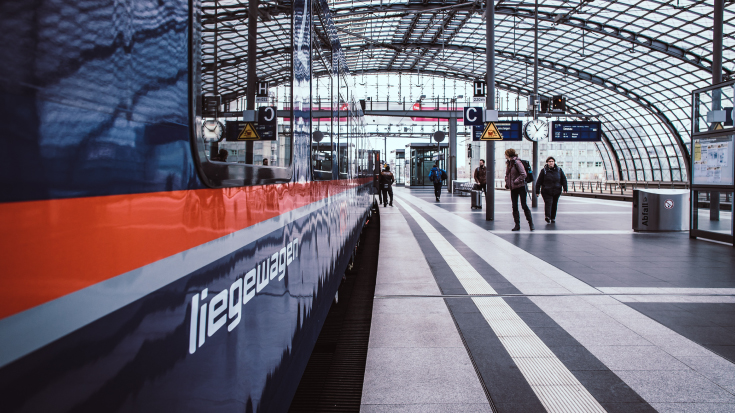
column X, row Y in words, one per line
column 713, row 161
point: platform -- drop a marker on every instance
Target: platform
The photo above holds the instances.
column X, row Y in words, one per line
column 581, row 315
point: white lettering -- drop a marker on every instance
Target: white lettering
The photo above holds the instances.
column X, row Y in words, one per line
column 262, row 276
column 249, row 291
column 282, row 263
column 217, row 306
column 274, row 265
column 235, row 309
column 208, row 318
column 193, row 324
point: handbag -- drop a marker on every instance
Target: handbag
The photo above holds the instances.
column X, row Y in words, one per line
column 476, row 187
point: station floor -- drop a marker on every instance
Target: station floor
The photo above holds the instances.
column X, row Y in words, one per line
column 583, row 315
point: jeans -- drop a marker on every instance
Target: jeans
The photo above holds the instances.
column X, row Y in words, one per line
column 550, row 203
column 514, row 195
column 437, row 189
column 387, row 191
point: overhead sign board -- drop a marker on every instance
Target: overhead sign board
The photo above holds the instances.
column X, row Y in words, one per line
column 472, row 116
column 576, row 131
column 509, row 131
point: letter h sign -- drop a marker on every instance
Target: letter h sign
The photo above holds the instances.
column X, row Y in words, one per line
column 262, row 89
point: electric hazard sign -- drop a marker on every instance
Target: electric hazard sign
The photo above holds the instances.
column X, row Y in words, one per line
column 491, row 133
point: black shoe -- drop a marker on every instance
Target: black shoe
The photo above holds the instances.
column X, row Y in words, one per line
column 552, row 221
column 437, row 200
column 548, row 219
column 385, row 205
column 390, row 204
column 530, row 225
column 517, row 227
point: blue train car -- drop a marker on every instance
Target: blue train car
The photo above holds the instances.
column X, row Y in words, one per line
column 139, row 273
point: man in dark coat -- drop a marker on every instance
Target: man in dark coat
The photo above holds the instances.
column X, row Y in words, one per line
column 386, row 185
column 481, row 176
column 550, row 183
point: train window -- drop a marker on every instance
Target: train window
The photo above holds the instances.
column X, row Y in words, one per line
column 229, row 150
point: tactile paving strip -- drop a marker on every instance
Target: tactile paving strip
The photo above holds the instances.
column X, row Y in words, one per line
column 554, row 385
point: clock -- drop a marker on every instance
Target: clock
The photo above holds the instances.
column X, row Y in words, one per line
column 536, row 130
column 212, row 130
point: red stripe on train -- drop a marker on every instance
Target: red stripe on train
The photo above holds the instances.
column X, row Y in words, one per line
column 55, row 247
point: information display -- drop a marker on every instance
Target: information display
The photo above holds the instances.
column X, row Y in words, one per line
column 576, row 131
column 712, row 161
column 510, row 130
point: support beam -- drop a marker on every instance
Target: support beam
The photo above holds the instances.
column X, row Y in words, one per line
column 719, row 10
column 490, row 102
column 452, row 164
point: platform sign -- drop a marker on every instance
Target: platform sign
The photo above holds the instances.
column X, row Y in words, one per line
column 267, row 123
column 576, row 131
column 480, row 88
column 509, row 131
column 472, row 116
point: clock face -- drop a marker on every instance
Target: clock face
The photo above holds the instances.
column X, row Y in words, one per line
column 536, row 130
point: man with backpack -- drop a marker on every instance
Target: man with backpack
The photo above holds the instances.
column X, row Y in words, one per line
column 437, row 175
column 516, row 177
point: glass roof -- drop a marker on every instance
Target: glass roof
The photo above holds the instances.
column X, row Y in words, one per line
column 634, row 63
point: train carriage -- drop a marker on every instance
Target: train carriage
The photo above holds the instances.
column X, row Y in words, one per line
column 140, row 273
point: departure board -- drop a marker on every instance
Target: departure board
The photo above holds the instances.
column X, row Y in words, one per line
column 576, row 131
column 509, row 130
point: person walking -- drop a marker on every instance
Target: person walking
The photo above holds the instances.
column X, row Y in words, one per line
column 550, row 183
column 481, row 177
column 515, row 180
column 436, row 177
column 386, row 185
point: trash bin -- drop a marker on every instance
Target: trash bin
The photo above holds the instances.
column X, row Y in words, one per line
column 660, row 210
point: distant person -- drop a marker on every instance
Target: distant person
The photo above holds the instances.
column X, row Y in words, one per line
column 435, row 176
column 386, row 185
column 550, row 183
column 265, row 161
column 515, row 180
column 221, row 156
column 481, row 177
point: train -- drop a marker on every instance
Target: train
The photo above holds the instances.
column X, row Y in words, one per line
column 140, row 271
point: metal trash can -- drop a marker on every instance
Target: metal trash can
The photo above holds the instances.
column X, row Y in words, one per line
column 660, row 210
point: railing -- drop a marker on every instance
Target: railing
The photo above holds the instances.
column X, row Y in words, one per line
column 614, row 187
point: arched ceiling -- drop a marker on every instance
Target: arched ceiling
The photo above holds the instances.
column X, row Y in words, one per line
column 633, row 62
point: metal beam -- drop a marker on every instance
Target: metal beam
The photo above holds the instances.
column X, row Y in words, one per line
column 608, row 30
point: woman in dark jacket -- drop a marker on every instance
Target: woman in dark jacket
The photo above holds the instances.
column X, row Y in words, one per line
column 515, row 180
column 551, row 181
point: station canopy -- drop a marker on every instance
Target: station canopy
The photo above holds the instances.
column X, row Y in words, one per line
column 633, row 63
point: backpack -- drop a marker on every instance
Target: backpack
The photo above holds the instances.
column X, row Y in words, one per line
column 444, row 174
column 529, row 171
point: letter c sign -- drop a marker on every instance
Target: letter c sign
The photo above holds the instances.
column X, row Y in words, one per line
column 472, row 116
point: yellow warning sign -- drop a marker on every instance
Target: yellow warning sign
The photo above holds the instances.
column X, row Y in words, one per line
column 718, row 126
column 491, row 133
column 248, row 133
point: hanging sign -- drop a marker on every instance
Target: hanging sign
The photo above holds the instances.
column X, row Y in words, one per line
column 491, row 133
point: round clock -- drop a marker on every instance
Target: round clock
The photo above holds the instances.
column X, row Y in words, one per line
column 536, row 130
column 212, row 130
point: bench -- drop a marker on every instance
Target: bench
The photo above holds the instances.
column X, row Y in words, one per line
column 464, row 188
